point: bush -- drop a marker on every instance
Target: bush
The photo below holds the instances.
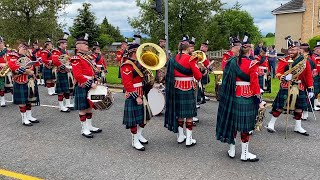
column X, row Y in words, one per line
column 313, row 41
column 270, row 35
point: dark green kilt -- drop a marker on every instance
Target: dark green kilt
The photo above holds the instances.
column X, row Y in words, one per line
column 119, row 73
column 185, row 103
column 281, row 100
column 20, row 94
column 316, row 84
column 245, row 112
column 198, row 94
column 80, row 98
column 133, row 113
column 261, row 81
column 2, row 83
column 47, row 74
column 62, row 83
column 205, row 79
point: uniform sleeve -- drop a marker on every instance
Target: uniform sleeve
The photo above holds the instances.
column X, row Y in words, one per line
column 195, row 70
column 308, row 75
column 14, row 66
column 77, row 72
column 44, row 57
column 127, row 80
column 281, row 68
column 206, row 63
column 254, row 81
column 119, row 56
column 224, row 61
column 104, row 62
column 55, row 58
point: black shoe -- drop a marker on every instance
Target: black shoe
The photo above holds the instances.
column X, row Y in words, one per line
column 230, row 156
column 191, row 145
column 203, row 102
column 251, row 160
column 270, row 130
column 27, row 124
column 182, row 141
column 305, row 133
column 97, row 131
column 67, row 111
column 35, row 121
column 303, row 119
column 194, row 123
column 71, row 108
column 142, row 149
column 87, row 136
column 144, row 142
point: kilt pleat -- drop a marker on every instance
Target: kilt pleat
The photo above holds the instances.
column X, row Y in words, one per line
column 185, row 103
column 20, row 94
column 80, row 98
column 47, row 74
column 62, row 83
column 245, row 112
column 261, row 81
column 2, row 81
column 205, row 79
column 282, row 96
column 133, row 113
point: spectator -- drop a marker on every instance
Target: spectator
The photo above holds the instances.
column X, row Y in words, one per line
column 257, row 49
column 272, row 60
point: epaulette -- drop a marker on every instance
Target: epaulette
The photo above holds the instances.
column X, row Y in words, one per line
column 227, row 53
column 253, row 62
column 54, row 51
column 12, row 54
column 73, row 58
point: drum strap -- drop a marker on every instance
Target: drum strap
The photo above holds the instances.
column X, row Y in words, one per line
column 94, row 68
column 135, row 67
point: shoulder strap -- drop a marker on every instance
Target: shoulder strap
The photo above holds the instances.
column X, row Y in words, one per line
column 94, row 68
column 134, row 67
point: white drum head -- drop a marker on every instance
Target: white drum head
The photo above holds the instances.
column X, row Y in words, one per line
column 156, row 101
column 97, row 94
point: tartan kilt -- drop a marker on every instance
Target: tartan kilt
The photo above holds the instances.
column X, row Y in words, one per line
column 133, row 113
column 244, row 112
column 80, row 98
column 316, row 84
column 47, row 74
column 20, row 94
column 2, row 81
column 281, row 100
column 185, row 103
column 62, row 83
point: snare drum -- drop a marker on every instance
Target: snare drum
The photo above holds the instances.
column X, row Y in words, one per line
column 100, row 98
column 156, row 100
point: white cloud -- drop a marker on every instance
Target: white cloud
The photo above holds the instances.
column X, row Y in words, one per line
column 118, row 11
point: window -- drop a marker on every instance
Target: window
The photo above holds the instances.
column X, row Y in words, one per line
column 319, row 16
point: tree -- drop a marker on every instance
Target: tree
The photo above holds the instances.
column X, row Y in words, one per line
column 313, row 41
column 270, row 35
column 185, row 17
column 85, row 22
column 105, row 39
column 107, row 28
column 231, row 22
column 30, row 19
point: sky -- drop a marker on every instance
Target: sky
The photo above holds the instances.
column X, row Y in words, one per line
column 118, row 11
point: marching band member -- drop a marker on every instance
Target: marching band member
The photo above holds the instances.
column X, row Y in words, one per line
column 101, row 63
column 239, row 102
column 180, row 93
column 301, row 82
column 120, row 54
column 263, row 69
column 62, row 79
column 205, row 73
column 36, row 51
column 305, row 49
column 134, row 117
column 316, row 57
column 192, row 43
column 235, row 45
column 3, row 63
column 48, row 71
column 25, row 86
column 84, row 71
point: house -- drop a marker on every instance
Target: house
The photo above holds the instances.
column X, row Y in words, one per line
column 115, row 46
column 298, row 18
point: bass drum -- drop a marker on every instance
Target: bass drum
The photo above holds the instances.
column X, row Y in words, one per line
column 156, row 101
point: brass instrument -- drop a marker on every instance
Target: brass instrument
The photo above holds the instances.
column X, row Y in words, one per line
column 218, row 81
column 151, row 57
column 4, row 71
column 200, row 55
column 64, row 59
column 297, row 69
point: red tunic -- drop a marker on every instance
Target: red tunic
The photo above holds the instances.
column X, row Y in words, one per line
column 316, row 59
column 37, row 54
column 262, row 65
column 55, row 60
column 14, row 66
column 305, row 76
column 248, row 89
column 82, row 71
column 3, row 60
column 46, row 58
column 100, row 62
column 131, row 81
column 186, row 82
column 226, row 56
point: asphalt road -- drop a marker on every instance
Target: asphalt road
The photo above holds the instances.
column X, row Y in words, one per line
column 54, row 149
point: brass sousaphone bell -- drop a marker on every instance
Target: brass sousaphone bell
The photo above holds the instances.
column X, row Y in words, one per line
column 201, row 56
column 151, row 56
